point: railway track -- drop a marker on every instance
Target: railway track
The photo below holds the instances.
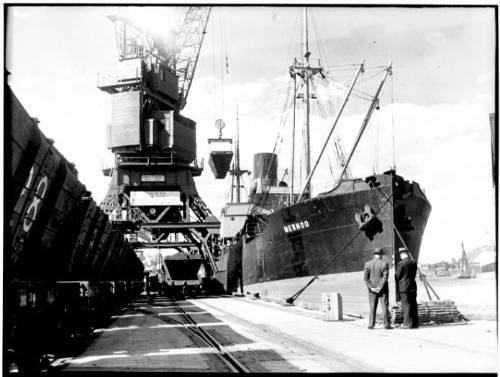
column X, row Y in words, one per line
column 162, row 334
column 194, row 328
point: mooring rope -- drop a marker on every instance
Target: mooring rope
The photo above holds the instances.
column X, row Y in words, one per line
column 296, row 295
column 422, row 276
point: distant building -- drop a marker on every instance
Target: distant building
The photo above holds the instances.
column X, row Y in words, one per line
column 442, row 271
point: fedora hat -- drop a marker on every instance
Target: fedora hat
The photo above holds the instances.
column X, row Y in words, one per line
column 378, row 250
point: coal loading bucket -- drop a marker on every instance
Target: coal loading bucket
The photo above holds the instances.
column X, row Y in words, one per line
column 183, row 267
column 221, row 154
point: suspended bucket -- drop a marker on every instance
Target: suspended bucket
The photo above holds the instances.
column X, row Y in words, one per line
column 221, row 153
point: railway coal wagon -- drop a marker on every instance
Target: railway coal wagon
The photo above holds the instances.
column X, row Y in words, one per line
column 59, row 246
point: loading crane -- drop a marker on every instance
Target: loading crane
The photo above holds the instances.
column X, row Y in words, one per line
column 178, row 51
column 152, row 194
column 188, row 44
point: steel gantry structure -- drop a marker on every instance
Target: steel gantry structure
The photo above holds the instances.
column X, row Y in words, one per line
column 152, row 193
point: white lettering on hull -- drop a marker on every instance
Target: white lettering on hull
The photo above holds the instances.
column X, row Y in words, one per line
column 296, row 226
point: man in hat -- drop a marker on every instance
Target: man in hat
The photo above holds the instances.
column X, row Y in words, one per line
column 376, row 275
column 405, row 274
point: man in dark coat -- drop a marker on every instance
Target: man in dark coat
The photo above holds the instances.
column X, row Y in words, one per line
column 405, row 274
column 376, row 275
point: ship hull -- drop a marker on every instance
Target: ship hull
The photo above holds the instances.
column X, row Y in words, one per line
column 229, row 266
column 349, row 284
column 321, row 236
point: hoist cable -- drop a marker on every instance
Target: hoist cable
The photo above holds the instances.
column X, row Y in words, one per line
column 221, row 61
column 393, row 125
column 282, row 83
column 214, row 80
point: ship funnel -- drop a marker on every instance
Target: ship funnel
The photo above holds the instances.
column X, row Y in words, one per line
column 265, row 168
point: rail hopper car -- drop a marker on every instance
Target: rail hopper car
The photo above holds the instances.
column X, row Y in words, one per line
column 66, row 266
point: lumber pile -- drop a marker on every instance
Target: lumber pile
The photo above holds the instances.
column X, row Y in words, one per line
column 441, row 311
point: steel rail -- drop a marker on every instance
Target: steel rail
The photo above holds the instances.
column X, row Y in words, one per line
column 228, row 359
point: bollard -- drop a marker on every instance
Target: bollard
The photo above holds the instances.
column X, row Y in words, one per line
column 239, row 292
column 331, row 303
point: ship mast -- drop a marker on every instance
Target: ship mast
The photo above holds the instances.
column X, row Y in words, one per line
column 292, row 176
column 305, row 71
column 351, row 87
column 236, row 172
column 307, row 142
column 237, row 159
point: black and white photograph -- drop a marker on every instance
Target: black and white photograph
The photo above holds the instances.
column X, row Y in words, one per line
column 250, row 188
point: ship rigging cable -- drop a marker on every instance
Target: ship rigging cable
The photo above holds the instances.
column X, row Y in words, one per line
column 286, row 104
column 279, row 141
column 258, row 207
column 374, row 72
column 330, row 109
column 283, row 82
column 222, row 39
column 393, row 127
column 324, row 112
column 370, row 73
column 321, row 49
column 351, row 87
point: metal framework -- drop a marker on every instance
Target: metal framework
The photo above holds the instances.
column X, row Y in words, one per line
column 305, row 71
column 180, row 53
column 134, row 41
column 152, row 195
column 188, row 44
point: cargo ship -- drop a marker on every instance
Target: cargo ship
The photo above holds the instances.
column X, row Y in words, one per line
column 293, row 246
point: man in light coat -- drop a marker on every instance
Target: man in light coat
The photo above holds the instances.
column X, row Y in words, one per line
column 376, row 275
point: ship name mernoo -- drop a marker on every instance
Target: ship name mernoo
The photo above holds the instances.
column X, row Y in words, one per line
column 297, row 226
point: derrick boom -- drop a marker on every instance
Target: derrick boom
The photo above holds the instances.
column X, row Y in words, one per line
column 189, row 43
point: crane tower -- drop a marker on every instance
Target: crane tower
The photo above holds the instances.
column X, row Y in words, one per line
column 152, row 193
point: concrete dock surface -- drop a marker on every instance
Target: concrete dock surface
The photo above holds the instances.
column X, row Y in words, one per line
column 348, row 346
column 268, row 337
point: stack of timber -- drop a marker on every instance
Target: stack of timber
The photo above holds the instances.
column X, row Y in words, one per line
column 442, row 311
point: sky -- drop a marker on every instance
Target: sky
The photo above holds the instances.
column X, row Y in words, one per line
column 435, row 106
